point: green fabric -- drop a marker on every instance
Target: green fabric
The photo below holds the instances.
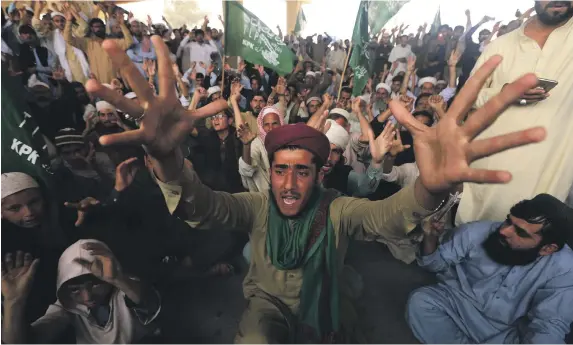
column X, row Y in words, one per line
column 22, row 141
column 300, row 22
column 287, row 249
column 248, row 37
column 436, row 23
column 371, row 18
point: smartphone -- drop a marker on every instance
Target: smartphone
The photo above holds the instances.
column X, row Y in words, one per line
column 547, row 84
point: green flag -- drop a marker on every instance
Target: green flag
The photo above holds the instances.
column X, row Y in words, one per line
column 246, row 36
column 436, row 23
column 23, row 146
column 300, row 22
column 371, row 17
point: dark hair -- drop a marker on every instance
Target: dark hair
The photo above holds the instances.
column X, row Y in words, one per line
column 95, row 20
column 426, row 114
column 346, row 89
column 200, row 75
column 485, row 31
column 199, row 32
column 26, row 29
column 315, row 159
column 445, row 26
column 530, row 211
column 459, row 27
column 424, row 95
column 259, row 93
column 399, row 78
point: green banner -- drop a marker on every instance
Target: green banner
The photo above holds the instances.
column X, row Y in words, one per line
column 371, row 17
column 248, row 37
column 23, row 146
column 300, row 22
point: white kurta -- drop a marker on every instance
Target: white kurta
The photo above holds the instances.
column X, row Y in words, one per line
column 546, row 167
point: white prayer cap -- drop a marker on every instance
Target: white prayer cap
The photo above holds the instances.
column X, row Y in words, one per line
column 29, row 9
column 55, row 14
column 130, row 95
column 340, row 111
column 101, row 105
column 430, row 80
column 313, row 99
column 33, row 82
column 337, row 135
column 213, row 90
column 310, row 73
column 442, row 82
column 132, row 20
column 14, row 182
column 365, row 98
column 384, row 86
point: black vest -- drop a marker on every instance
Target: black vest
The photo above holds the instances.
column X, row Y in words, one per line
column 338, row 178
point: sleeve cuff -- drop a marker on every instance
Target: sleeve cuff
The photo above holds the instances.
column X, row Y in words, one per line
column 392, row 176
column 245, row 169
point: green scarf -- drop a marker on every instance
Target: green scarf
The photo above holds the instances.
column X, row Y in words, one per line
column 290, row 249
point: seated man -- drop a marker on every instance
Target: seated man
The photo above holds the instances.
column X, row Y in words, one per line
column 95, row 297
column 509, row 282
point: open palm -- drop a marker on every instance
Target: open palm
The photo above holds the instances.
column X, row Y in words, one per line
column 164, row 122
column 18, row 275
column 444, row 152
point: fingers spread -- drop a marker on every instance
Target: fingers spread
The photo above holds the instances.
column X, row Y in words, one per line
column 127, row 105
column 468, row 94
column 486, row 115
column 122, row 62
column 126, row 163
column 487, row 147
column 28, row 259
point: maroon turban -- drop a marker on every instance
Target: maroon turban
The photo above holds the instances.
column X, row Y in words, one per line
column 298, row 134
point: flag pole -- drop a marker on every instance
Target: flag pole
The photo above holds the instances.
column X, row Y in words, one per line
column 344, row 71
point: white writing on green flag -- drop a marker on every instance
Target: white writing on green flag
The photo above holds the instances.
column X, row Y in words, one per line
column 371, row 17
column 248, row 37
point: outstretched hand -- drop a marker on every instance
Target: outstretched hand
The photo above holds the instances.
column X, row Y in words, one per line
column 104, row 265
column 444, row 152
column 17, row 275
column 164, row 122
column 381, row 145
column 84, row 207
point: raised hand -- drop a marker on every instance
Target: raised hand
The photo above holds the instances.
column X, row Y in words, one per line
column 356, row 106
column 411, row 64
column 245, row 135
column 201, row 92
column 436, row 102
column 397, row 146
column 17, row 276
column 444, row 152
column 104, row 265
column 496, row 27
column 236, row 89
column 125, row 173
column 164, row 122
column 381, row 145
column 84, row 207
column 454, row 58
column 406, row 101
column 320, row 123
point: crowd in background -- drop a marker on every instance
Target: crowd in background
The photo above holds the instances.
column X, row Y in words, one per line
column 106, row 214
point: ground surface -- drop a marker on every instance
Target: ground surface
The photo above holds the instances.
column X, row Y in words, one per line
column 208, row 311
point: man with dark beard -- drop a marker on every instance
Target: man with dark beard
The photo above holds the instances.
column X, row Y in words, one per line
column 100, row 64
column 543, row 45
column 509, row 282
column 35, row 59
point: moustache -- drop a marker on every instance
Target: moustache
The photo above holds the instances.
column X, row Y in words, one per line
column 290, row 195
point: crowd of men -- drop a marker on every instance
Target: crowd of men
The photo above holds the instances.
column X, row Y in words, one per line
column 167, row 164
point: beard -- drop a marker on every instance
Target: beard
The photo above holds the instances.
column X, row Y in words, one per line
column 553, row 19
column 497, row 249
column 99, row 34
